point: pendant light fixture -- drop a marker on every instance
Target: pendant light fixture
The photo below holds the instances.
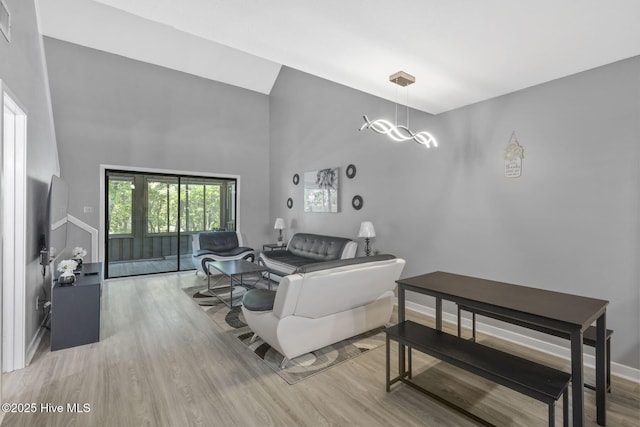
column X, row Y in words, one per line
column 396, row 132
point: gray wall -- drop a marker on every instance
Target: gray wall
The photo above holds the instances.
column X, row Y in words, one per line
column 570, row 223
column 112, row 110
column 23, row 70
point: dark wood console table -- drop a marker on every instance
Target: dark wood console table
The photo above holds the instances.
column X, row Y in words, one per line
column 75, row 309
column 567, row 313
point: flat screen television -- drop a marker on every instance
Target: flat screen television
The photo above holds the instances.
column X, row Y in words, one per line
column 58, row 204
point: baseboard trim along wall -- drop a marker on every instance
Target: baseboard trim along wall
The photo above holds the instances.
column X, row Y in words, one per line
column 617, row 369
column 33, row 345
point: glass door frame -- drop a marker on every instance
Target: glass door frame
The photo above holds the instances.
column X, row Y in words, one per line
column 104, row 232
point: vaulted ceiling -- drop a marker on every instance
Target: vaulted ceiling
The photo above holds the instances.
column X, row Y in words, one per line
column 461, row 51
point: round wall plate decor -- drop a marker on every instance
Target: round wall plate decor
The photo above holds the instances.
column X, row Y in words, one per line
column 357, row 202
column 296, row 179
column 351, row 171
column 289, row 202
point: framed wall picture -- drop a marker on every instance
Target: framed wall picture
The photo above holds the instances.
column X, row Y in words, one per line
column 321, row 190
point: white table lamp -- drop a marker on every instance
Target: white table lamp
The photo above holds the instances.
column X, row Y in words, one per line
column 279, row 225
column 367, row 231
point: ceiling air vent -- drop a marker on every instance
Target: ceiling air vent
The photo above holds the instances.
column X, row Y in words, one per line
column 5, row 20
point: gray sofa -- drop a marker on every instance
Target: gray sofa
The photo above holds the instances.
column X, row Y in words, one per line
column 304, row 249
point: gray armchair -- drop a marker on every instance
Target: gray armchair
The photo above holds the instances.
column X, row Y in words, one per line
column 219, row 246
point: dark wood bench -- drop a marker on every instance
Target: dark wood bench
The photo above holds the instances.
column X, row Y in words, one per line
column 537, row 381
column 588, row 337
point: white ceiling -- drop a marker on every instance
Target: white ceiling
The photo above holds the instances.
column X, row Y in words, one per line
column 461, row 51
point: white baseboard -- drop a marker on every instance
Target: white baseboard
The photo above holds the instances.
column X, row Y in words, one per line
column 33, row 345
column 617, row 369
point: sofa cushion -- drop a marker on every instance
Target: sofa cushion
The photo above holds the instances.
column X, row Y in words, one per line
column 281, row 263
column 259, row 300
column 318, row 266
column 218, row 241
column 316, row 247
column 286, row 257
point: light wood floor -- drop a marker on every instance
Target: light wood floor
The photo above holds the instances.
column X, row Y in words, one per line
column 161, row 362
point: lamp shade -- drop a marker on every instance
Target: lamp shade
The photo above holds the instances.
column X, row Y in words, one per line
column 366, row 229
column 279, row 225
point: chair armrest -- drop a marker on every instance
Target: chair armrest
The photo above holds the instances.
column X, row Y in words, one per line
column 230, row 253
column 349, row 250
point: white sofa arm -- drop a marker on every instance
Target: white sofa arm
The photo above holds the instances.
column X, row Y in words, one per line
column 349, row 250
column 240, row 243
column 287, row 295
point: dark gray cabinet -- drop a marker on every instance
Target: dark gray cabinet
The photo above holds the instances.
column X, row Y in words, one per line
column 75, row 309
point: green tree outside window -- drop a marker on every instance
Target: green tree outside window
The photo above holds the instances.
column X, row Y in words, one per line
column 120, row 205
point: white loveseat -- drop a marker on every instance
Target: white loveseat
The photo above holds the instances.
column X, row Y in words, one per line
column 324, row 303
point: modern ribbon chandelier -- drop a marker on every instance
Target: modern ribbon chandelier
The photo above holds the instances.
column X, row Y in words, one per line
column 396, row 132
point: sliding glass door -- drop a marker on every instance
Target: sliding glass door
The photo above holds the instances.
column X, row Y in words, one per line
column 152, row 219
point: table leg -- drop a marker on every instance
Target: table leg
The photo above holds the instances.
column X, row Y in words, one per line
column 401, row 303
column 401, row 362
column 439, row 313
column 401, row 318
column 231, row 290
column 577, row 378
column 387, row 367
column 601, row 363
column 208, row 273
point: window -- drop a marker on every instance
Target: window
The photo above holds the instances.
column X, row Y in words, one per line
column 120, row 205
column 162, row 206
column 201, row 207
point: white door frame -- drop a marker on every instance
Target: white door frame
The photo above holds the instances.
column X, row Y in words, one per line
column 13, row 133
